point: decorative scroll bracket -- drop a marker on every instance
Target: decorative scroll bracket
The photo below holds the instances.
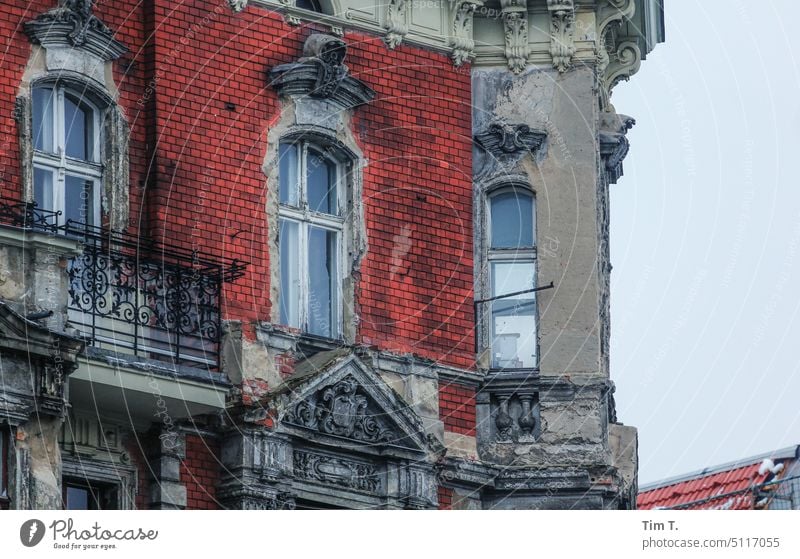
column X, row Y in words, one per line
column 396, row 23
column 562, row 33
column 515, row 29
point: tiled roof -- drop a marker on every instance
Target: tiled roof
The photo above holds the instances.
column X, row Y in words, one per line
column 722, row 488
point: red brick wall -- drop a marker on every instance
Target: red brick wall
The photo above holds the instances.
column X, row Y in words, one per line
column 457, row 408
column 196, row 176
column 416, row 136
column 200, row 472
column 445, row 498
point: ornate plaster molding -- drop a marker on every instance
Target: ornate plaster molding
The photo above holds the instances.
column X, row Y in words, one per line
column 237, row 5
column 396, row 23
column 461, row 40
column 614, row 144
column 342, row 409
column 502, row 139
column 515, row 31
column 322, row 74
column 72, row 24
column 624, row 62
column 351, row 474
column 610, row 14
column 562, row 33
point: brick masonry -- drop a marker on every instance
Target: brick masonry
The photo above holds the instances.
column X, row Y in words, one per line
column 457, row 408
column 200, row 472
column 445, row 495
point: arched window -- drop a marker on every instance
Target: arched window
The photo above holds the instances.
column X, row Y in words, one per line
column 511, row 260
column 311, row 233
column 310, row 5
column 67, row 173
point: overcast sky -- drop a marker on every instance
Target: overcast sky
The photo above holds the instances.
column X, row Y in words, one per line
column 706, row 239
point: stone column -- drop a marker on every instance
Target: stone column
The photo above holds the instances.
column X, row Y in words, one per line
column 166, row 491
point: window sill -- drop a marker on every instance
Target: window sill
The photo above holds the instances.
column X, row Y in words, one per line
column 278, row 336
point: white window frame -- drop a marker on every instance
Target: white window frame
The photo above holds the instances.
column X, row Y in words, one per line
column 59, row 164
column 515, row 255
column 305, row 218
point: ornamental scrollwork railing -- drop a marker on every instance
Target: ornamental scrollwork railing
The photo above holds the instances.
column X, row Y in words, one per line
column 27, row 215
column 134, row 297
column 130, row 295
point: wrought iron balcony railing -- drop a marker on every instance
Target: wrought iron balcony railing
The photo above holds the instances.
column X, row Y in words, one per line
column 133, row 296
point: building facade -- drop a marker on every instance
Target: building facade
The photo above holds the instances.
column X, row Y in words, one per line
column 312, row 253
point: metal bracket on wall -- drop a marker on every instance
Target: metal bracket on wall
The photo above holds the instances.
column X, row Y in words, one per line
column 497, row 297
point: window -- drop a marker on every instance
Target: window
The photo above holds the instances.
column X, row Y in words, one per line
column 511, row 260
column 66, row 155
column 311, row 229
column 82, row 495
column 310, row 5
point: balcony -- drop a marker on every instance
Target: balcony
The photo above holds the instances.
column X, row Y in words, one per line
column 131, row 296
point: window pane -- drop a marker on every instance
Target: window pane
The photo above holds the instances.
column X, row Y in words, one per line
column 513, row 318
column 79, row 200
column 289, row 185
column 322, row 303
column 311, row 5
column 79, row 142
column 43, row 119
column 43, row 189
column 78, row 498
column 512, row 220
column 321, row 183
column 290, row 273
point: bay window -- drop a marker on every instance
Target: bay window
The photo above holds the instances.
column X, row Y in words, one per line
column 311, row 231
column 67, row 172
column 511, row 259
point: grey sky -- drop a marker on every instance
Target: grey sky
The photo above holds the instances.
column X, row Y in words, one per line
column 706, row 239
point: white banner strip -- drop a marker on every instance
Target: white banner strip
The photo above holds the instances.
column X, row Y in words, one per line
column 352, row 534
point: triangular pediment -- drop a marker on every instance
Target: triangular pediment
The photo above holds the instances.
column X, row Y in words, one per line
column 19, row 334
column 337, row 399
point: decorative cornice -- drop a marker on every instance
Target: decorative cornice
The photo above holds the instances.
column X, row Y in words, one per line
column 322, row 74
column 461, row 40
column 562, row 33
column 396, row 23
column 72, row 25
column 515, row 31
column 501, row 139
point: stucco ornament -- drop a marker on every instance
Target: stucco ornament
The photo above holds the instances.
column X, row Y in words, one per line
column 461, row 41
column 72, row 24
column 322, row 74
column 515, row 30
column 396, row 23
column 562, row 33
column 502, row 139
column 237, row 5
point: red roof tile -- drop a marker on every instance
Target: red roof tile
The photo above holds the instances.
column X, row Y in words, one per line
column 713, row 490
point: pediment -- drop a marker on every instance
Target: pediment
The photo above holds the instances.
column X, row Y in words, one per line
column 339, row 400
column 17, row 333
